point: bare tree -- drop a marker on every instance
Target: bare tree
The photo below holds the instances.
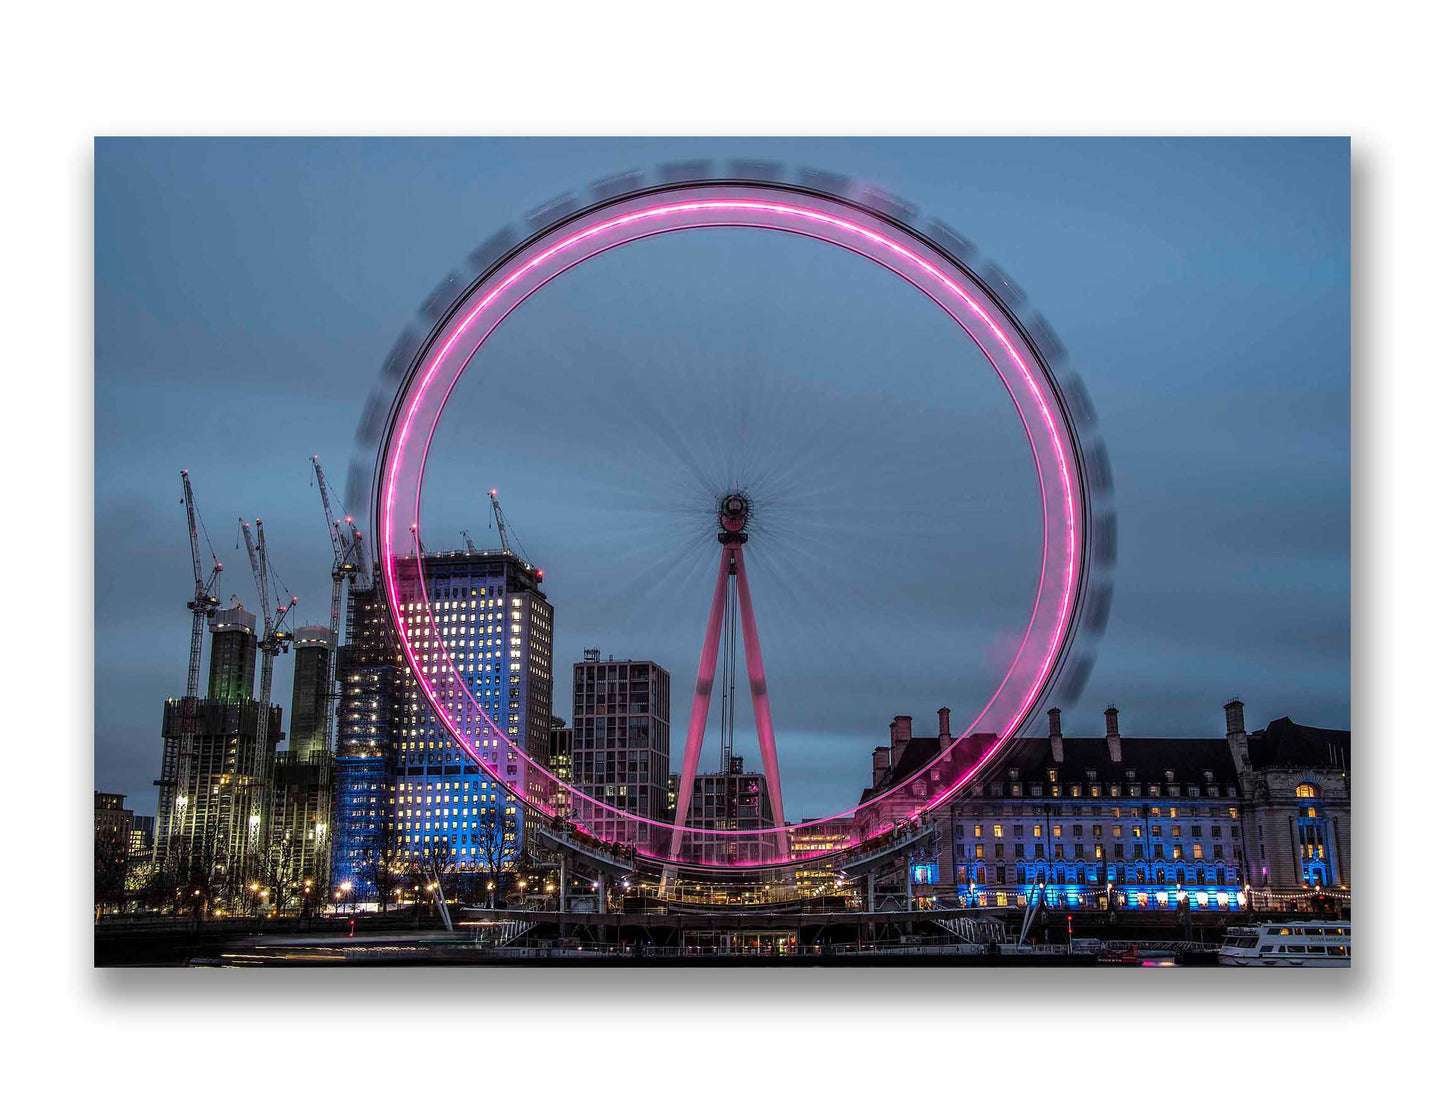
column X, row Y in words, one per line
column 495, row 845
column 192, row 875
column 381, row 864
column 434, row 865
column 112, row 866
column 281, row 874
column 168, row 877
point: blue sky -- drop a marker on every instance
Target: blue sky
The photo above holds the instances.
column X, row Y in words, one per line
column 247, row 292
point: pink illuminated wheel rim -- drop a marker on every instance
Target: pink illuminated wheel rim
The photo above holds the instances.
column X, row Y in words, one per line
column 463, row 313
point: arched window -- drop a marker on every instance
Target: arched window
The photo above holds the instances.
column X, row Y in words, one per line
column 1306, row 789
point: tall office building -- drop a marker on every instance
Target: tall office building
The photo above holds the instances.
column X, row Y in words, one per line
column 369, row 684
column 233, row 655
column 302, row 794
column 621, row 742
column 495, row 626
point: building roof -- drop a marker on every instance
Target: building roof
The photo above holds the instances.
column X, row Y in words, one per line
column 1165, row 760
column 1147, row 757
column 917, row 751
column 1282, row 743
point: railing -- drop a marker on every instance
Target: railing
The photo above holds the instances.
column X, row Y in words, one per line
column 615, row 860
column 885, row 848
column 983, row 930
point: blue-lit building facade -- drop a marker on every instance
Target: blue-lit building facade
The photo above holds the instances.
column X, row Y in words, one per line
column 368, row 673
column 1094, row 822
column 496, row 626
column 1134, row 823
column 405, row 792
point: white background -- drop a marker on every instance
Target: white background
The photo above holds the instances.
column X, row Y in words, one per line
column 73, row 72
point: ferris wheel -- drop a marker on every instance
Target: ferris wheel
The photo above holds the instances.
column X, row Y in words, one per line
column 991, row 313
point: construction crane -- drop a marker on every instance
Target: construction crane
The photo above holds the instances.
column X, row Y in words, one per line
column 203, row 602
column 275, row 640
column 348, row 560
column 202, row 605
column 501, row 521
column 471, row 548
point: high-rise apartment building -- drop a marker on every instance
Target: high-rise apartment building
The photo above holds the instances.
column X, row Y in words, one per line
column 233, row 655
column 621, row 741
column 302, row 788
column 204, row 815
column 311, row 692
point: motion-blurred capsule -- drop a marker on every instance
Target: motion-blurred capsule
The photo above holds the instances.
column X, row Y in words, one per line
column 765, row 171
column 950, row 241
column 1011, row 295
column 400, row 358
column 1096, row 463
column 493, row 249
column 559, row 207
column 679, row 172
column 442, row 297
column 819, row 180
column 1096, row 608
column 616, row 185
column 1076, row 396
column 886, row 203
column 1076, row 677
column 1106, row 547
column 1047, row 341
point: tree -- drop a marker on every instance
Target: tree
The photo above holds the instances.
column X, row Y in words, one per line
column 192, row 876
column 435, row 865
column 168, row 876
column 381, row 865
column 494, row 849
column 112, row 865
column 281, row 874
column 209, row 878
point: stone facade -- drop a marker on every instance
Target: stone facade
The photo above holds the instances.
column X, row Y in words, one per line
column 1296, row 783
column 1130, row 822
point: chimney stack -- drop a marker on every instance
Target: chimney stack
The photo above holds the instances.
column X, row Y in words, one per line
column 1236, row 735
column 945, row 737
column 880, row 764
column 1111, row 734
column 1056, row 735
column 1234, row 717
column 899, row 732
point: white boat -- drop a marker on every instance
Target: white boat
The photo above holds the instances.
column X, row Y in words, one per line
column 1302, row 943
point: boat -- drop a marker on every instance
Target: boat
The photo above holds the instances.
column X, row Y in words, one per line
column 1302, row 943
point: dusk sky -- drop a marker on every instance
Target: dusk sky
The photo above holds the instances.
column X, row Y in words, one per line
column 247, row 293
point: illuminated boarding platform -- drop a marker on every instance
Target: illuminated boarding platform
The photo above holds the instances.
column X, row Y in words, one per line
column 888, row 848
column 605, row 858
